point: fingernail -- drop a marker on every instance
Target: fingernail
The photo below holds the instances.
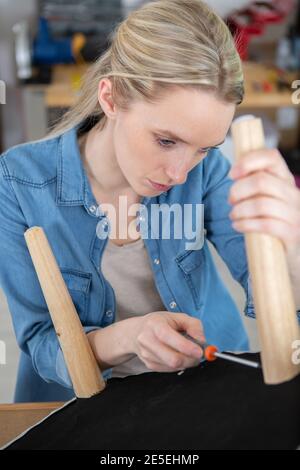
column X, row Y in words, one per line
column 197, row 352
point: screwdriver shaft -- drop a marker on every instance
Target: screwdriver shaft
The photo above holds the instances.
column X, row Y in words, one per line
column 239, row 360
column 227, row 357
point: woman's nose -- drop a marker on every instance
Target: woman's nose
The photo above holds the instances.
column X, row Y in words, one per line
column 177, row 173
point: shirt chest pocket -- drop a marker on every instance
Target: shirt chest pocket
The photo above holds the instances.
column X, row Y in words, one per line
column 78, row 284
column 192, row 265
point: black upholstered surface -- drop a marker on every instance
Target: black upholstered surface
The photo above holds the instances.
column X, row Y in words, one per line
column 218, row 405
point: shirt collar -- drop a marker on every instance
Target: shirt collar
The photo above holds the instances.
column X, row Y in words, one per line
column 73, row 187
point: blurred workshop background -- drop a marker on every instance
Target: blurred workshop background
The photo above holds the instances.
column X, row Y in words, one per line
column 46, row 45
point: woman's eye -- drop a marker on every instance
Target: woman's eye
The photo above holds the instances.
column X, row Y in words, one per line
column 166, row 142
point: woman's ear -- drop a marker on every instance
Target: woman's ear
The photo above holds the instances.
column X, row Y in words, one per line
column 105, row 98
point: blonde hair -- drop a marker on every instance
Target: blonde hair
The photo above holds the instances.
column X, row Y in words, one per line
column 162, row 44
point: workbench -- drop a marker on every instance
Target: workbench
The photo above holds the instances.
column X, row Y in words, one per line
column 15, row 418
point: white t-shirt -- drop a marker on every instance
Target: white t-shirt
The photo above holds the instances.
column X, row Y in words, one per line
column 127, row 268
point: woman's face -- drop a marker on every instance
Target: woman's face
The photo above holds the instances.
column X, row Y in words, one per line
column 162, row 142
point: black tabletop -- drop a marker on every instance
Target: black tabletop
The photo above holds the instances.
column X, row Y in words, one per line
column 219, row 405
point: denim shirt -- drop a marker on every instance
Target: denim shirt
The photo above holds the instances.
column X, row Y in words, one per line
column 43, row 183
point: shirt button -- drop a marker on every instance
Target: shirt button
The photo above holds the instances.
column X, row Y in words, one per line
column 173, row 304
column 109, row 313
column 93, row 208
column 104, row 224
column 156, row 261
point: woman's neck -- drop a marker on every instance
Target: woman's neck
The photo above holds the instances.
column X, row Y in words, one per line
column 100, row 163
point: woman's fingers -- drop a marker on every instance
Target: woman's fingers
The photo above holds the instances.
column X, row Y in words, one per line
column 169, row 347
column 265, row 197
column 269, row 160
column 158, row 367
column 161, row 340
column 188, row 324
column 169, row 358
column 271, row 226
column 264, row 206
column 176, row 341
column 263, row 184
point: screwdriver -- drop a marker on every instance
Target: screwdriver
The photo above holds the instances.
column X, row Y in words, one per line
column 211, row 353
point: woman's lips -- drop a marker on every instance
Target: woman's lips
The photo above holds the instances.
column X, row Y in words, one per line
column 160, row 187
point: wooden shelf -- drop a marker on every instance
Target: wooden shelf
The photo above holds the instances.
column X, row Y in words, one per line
column 64, row 90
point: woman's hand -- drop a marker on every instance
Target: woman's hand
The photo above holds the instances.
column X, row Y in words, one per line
column 265, row 199
column 157, row 341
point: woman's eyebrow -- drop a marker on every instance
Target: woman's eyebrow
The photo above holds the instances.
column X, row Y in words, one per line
column 172, row 135
column 176, row 137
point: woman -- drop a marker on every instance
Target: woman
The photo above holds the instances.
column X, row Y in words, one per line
column 152, row 112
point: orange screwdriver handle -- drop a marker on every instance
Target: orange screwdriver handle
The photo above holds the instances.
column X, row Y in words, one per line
column 209, row 352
